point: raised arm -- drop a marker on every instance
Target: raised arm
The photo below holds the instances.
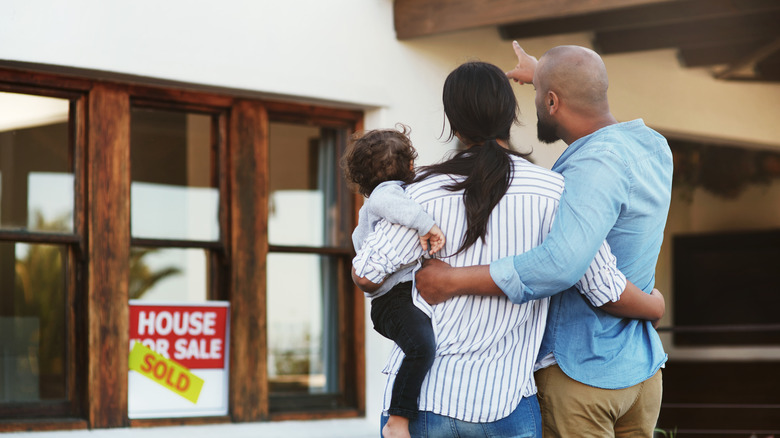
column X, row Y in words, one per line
column 523, row 73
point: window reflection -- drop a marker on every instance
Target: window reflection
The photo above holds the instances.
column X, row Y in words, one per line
column 168, row 274
column 36, row 176
column 302, row 323
column 183, row 213
column 50, row 202
column 173, row 193
column 296, row 218
column 32, row 322
column 307, row 197
column 309, row 206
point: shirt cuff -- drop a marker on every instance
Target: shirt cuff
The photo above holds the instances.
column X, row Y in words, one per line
column 503, row 273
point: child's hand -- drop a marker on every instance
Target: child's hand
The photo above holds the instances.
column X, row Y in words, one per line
column 436, row 239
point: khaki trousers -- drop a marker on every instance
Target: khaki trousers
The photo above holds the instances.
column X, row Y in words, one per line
column 573, row 409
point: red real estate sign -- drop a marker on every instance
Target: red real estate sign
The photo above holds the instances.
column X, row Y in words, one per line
column 193, row 336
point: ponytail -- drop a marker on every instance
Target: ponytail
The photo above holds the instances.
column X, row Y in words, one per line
column 488, row 170
column 481, row 108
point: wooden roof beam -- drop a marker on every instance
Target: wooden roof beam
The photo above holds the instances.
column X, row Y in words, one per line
column 746, row 66
column 710, row 55
column 693, row 33
column 648, row 15
column 416, row 18
column 768, row 69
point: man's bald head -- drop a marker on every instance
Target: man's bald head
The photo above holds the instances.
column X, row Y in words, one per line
column 577, row 74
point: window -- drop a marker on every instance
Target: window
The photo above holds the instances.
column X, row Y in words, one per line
column 175, row 206
column 39, row 242
column 113, row 191
column 705, row 313
column 309, row 229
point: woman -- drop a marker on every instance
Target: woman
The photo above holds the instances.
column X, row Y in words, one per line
column 490, row 202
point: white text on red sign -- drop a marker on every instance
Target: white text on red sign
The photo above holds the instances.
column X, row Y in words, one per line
column 180, row 323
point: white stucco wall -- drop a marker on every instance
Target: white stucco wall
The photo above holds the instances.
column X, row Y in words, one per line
column 344, row 52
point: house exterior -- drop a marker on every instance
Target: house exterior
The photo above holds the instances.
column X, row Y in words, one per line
column 186, row 152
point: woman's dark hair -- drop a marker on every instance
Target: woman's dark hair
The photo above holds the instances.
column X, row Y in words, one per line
column 378, row 156
column 481, row 108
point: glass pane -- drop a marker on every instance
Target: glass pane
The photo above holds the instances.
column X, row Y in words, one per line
column 32, row 322
column 36, row 173
column 309, row 201
column 168, row 274
column 173, row 192
column 302, row 324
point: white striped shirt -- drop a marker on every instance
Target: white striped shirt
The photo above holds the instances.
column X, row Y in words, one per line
column 486, row 346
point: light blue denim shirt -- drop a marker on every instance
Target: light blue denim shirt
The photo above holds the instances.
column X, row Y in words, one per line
column 617, row 186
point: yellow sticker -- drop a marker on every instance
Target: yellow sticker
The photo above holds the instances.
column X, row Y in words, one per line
column 165, row 372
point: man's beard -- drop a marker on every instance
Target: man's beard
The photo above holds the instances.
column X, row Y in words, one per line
column 545, row 132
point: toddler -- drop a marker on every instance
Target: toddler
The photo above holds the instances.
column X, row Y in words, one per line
column 379, row 163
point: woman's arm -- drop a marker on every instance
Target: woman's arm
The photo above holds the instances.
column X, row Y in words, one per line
column 608, row 289
column 636, row 304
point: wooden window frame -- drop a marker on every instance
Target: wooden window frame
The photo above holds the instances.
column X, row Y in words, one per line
column 218, row 287
column 349, row 301
column 102, row 216
column 75, row 243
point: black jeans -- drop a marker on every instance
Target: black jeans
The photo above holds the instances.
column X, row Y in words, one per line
column 397, row 318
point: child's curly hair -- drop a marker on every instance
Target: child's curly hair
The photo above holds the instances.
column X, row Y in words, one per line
column 377, row 156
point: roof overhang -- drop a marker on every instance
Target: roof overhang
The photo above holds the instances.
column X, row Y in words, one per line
column 739, row 39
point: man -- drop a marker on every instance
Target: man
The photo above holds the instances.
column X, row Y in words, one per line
column 600, row 374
